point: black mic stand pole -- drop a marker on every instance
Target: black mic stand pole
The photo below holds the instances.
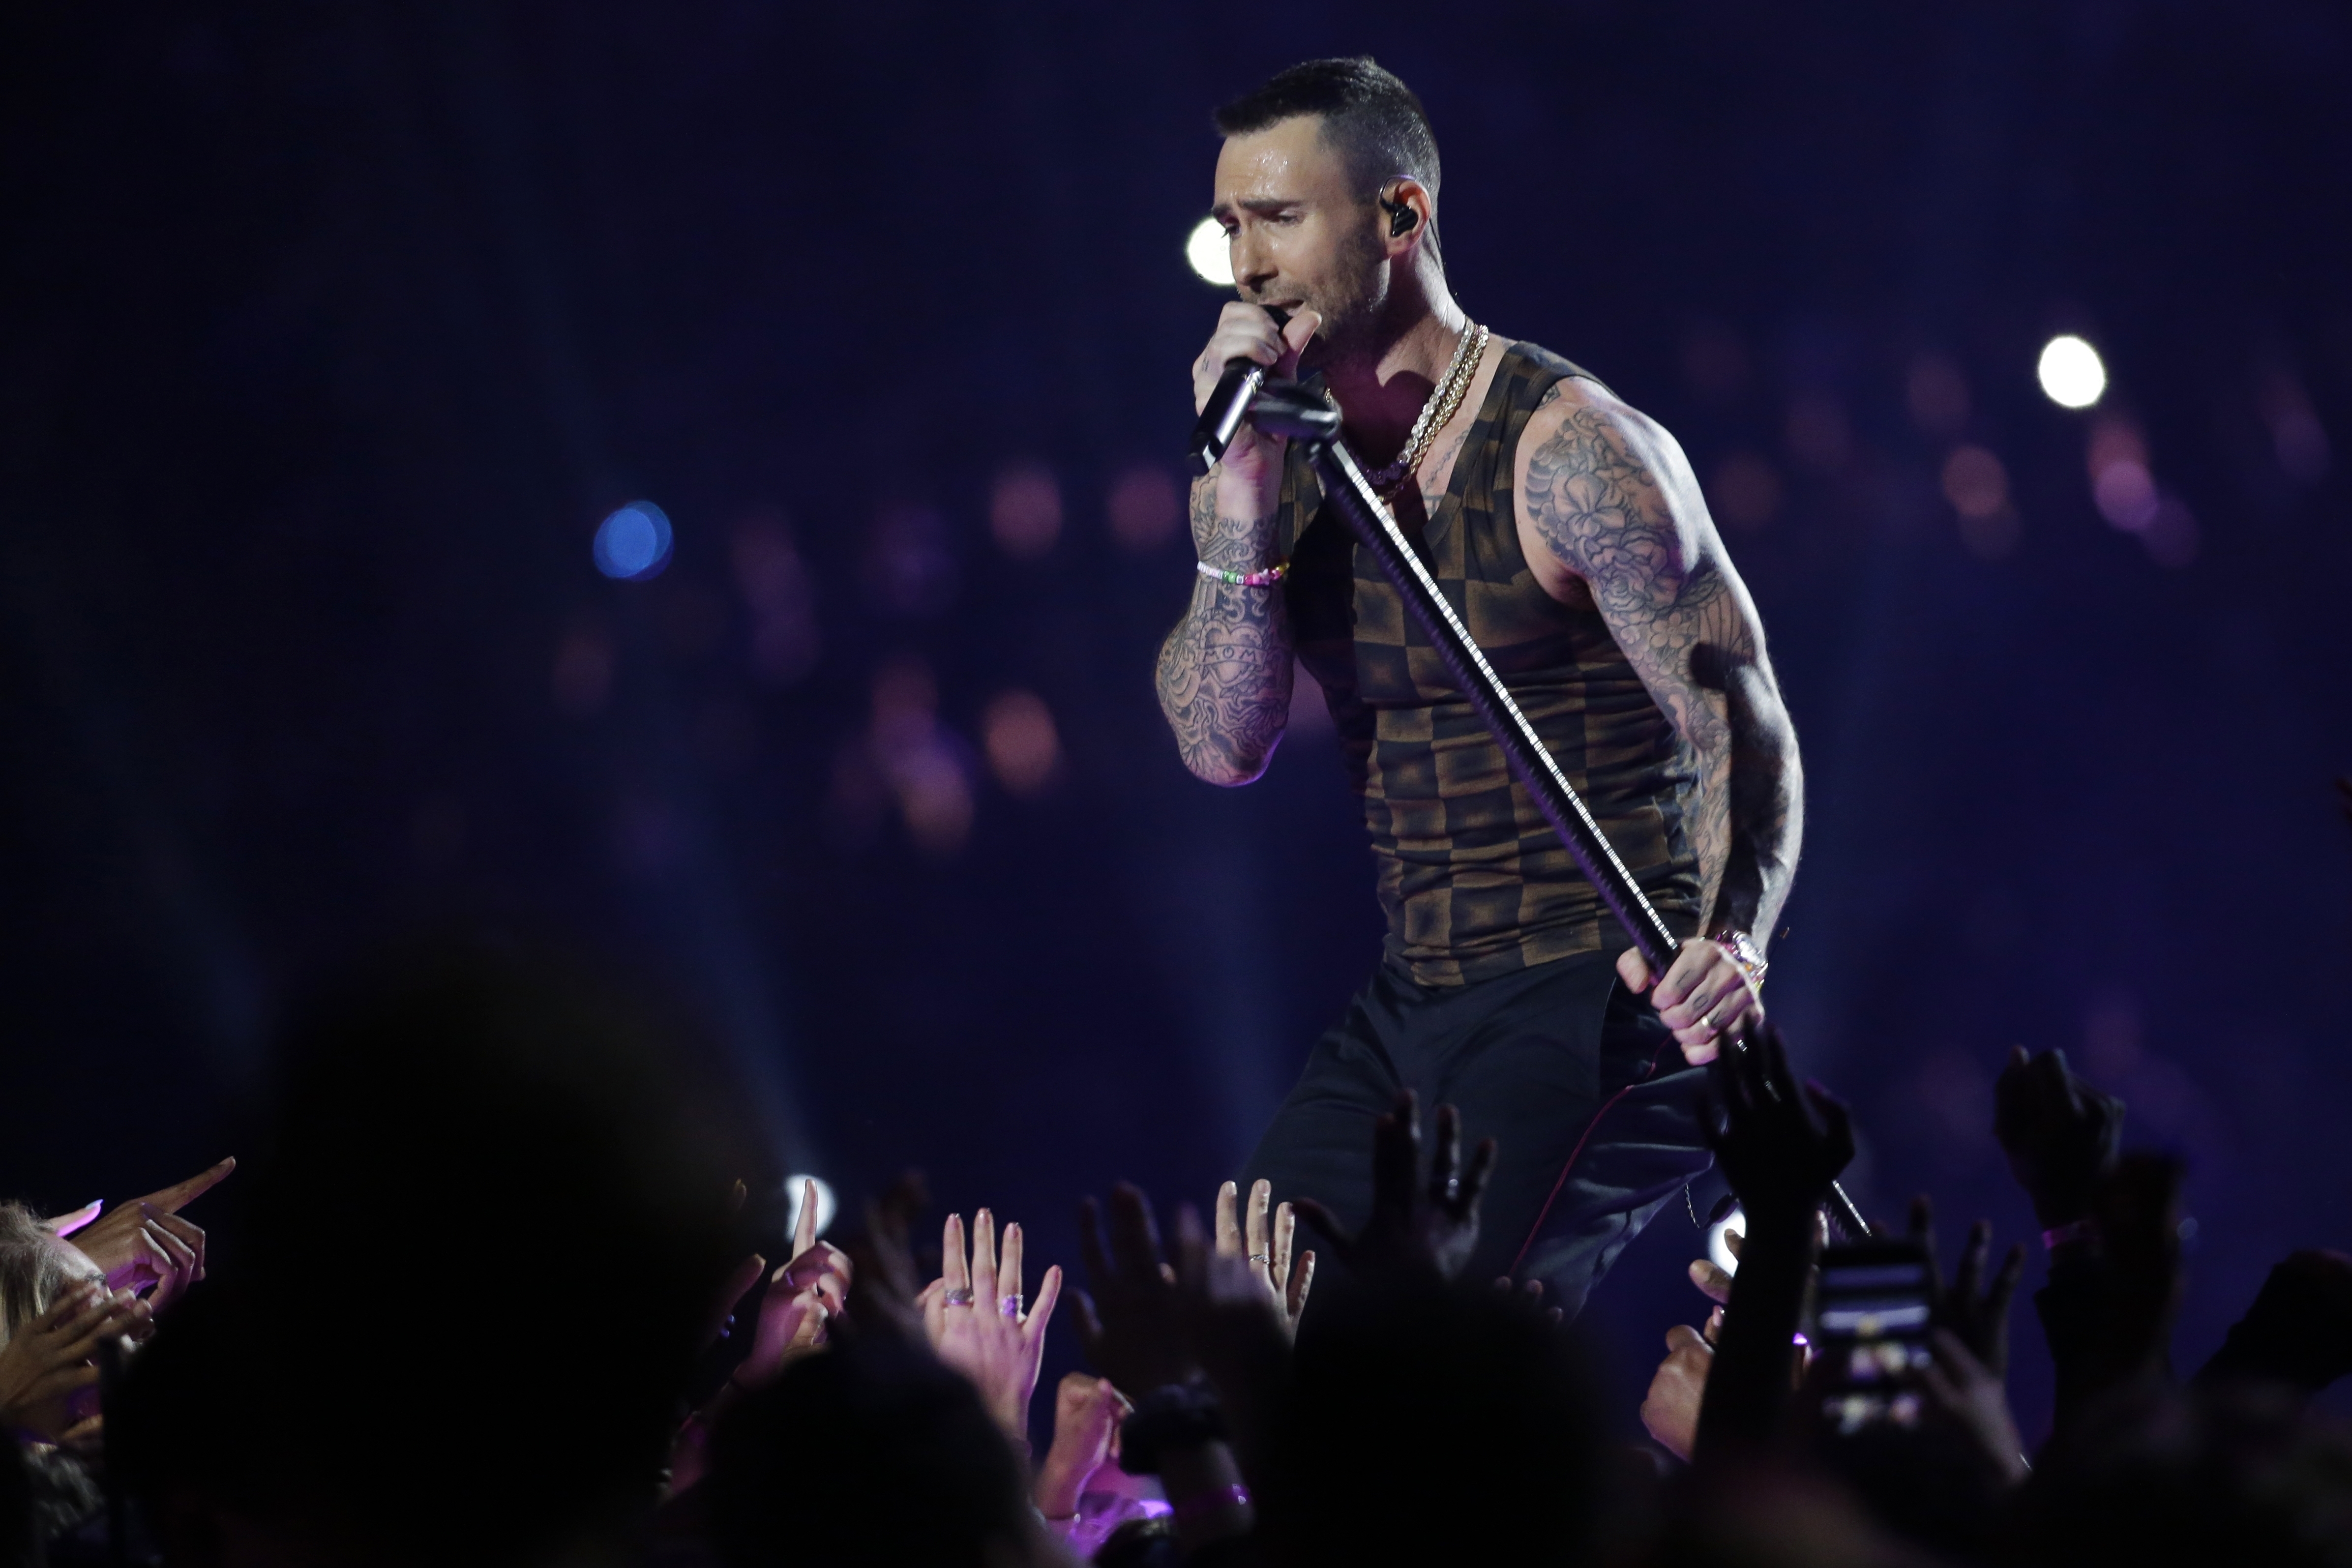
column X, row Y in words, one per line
column 1286, row 409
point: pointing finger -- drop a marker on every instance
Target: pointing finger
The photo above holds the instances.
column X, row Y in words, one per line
column 805, row 1230
column 171, row 1198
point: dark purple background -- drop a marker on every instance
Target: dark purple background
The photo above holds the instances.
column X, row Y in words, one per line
column 332, row 331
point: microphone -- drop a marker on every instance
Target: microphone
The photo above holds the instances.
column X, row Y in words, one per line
column 1221, row 415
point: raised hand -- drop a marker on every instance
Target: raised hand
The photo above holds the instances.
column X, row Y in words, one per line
column 888, row 1277
column 46, row 1363
column 1130, row 1316
column 798, row 1308
column 2061, row 1134
column 1975, row 1310
column 1969, row 1396
column 143, row 1241
column 1669, row 1407
column 1781, row 1145
column 1414, row 1227
column 1087, row 1414
column 1265, row 1242
column 980, row 1324
column 2299, row 1327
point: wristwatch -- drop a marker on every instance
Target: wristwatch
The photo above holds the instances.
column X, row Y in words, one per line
column 1744, row 953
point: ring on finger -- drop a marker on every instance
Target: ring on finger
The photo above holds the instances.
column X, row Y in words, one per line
column 957, row 1296
column 1265, row 1257
column 1010, row 1305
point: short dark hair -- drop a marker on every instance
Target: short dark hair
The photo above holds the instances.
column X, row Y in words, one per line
column 1375, row 120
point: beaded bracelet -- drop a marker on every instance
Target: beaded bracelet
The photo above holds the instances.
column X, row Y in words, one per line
column 1266, row 579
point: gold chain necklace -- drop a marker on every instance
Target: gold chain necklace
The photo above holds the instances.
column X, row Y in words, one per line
column 1444, row 402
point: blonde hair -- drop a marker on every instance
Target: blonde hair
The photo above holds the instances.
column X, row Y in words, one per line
column 31, row 1271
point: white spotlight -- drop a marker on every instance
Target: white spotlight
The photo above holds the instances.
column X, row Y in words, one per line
column 1206, row 248
column 827, row 1204
column 1718, row 1249
column 2071, row 371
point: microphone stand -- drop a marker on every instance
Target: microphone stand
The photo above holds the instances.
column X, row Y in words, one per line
column 1287, row 410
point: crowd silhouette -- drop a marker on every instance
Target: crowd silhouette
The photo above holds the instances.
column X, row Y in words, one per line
column 1264, row 1386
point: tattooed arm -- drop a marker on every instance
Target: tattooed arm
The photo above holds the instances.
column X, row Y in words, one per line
column 1225, row 671
column 1609, row 511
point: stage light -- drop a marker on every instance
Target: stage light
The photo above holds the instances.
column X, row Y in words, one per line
column 633, row 542
column 827, row 1206
column 2071, row 371
column 1718, row 1250
column 1206, row 249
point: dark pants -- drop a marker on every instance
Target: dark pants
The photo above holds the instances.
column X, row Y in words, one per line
column 1580, row 1085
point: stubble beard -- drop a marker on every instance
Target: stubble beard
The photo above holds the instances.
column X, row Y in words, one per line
column 1352, row 311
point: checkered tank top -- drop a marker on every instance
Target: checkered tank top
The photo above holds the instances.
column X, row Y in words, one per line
column 1473, row 882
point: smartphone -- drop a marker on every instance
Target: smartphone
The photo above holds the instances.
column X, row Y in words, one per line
column 1871, row 1319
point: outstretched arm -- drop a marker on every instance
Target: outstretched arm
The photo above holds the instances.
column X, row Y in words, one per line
column 1608, row 507
column 1224, row 672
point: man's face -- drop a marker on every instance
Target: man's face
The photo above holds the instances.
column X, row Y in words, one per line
column 1298, row 231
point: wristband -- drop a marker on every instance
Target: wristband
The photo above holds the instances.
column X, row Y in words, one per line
column 2057, row 1235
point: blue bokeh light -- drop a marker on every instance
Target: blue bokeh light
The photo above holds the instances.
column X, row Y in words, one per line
column 633, row 542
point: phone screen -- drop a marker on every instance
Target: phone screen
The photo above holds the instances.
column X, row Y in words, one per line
column 1871, row 1318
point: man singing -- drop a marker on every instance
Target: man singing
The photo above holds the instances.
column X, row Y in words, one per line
column 1567, row 531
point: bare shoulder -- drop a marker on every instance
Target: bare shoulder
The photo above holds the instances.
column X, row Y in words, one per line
column 1605, row 496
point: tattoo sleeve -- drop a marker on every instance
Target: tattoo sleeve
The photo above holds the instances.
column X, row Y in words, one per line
column 1621, row 513
column 1225, row 671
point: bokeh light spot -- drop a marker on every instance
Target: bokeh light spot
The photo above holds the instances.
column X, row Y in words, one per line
column 2121, row 482
column 1205, row 248
column 633, row 542
column 1024, row 511
column 2071, row 371
column 1024, row 751
column 921, row 764
column 782, row 595
column 1975, row 483
column 2127, row 496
